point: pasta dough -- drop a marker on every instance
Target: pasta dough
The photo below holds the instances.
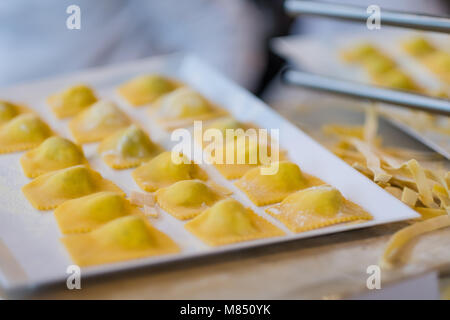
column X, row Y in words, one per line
column 124, row 238
column 128, row 148
column 99, row 121
column 71, row 101
column 268, row 189
column 23, row 132
column 52, row 189
column 316, row 207
column 162, row 171
column 146, row 89
column 89, row 212
column 186, row 199
column 53, row 154
column 9, row 111
column 229, row 221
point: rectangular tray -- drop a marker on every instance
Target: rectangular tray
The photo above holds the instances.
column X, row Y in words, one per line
column 321, row 55
column 30, row 251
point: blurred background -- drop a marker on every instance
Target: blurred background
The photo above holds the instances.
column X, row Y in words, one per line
column 232, row 35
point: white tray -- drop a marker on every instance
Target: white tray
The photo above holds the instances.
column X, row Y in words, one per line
column 30, row 251
column 321, row 55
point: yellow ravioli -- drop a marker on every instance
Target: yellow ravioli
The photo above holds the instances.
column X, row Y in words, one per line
column 53, row 154
column 418, row 46
column 128, row 148
column 316, row 207
column 89, row 212
column 182, row 106
column 71, row 101
column 267, row 189
column 439, row 63
column 52, row 189
column 228, row 221
column 246, row 155
column 146, row 89
column 186, row 199
column 162, row 171
column 9, row 111
column 396, row 79
column 360, row 53
column 23, row 132
column 124, row 238
column 99, row 121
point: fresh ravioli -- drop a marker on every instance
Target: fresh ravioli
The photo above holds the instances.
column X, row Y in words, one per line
column 98, row 122
column 267, row 189
column 53, row 154
column 182, row 106
column 23, row 132
column 146, row 89
column 89, row 212
column 246, row 153
column 228, row 221
column 316, row 207
column 186, row 199
column 128, row 148
column 162, row 171
column 52, row 189
column 121, row 239
column 9, row 110
column 72, row 101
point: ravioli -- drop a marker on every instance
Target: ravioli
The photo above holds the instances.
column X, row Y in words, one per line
column 53, row 154
column 396, row 79
column 128, row 148
column 228, row 221
column 146, row 89
column 439, row 63
column 186, row 199
column 267, row 189
column 52, row 189
column 71, row 101
column 418, row 46
column 316, row 207
column 9, row 111
column 98, row 122
column 124, row 238
column 251, row 157
column 161, row 172
column 89, row 212
column 182, row 106
column 23, row 132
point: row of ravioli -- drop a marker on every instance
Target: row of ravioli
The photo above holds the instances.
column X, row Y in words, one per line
column 103, row 226
column 302, row 202
column 107, row 226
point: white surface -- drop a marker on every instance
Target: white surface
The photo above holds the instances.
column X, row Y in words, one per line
column 321, row 55
column 32, row 236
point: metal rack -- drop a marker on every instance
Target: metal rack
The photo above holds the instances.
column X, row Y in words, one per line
column 352, row 89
